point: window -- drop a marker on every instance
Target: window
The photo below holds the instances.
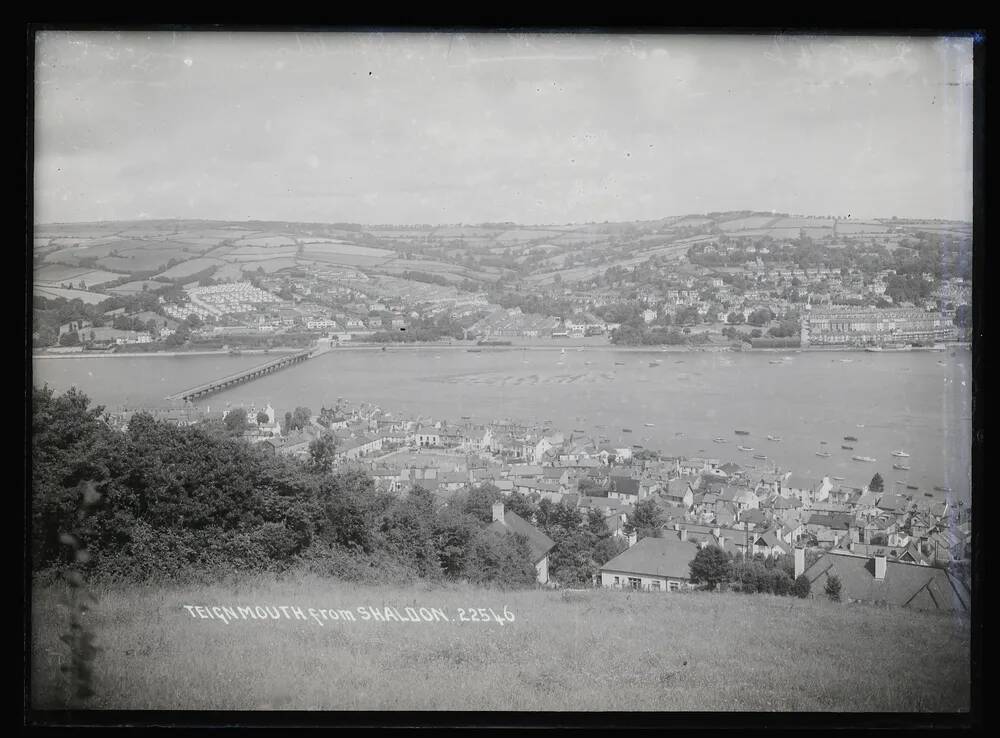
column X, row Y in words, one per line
column 673, row 586
column 617, row 581
column 635, row 582
column 655, row 585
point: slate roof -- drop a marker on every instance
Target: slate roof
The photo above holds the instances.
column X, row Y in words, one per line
column 660, row 557
column 539, row 543
column 625, row 486
column 905, row 584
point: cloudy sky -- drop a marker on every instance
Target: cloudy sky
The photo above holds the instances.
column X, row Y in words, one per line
column 452, row 128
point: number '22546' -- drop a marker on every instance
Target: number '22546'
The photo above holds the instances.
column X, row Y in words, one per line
column 484, row 615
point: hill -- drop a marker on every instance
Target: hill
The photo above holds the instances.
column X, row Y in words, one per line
column 569, row 650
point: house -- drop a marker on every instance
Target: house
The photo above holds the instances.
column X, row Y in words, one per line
column 882, row 580
column 625, row 489
column 652, row 564
column 539, row 544
column 678, row 492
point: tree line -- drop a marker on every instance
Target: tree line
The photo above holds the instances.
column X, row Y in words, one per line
column 182, row 502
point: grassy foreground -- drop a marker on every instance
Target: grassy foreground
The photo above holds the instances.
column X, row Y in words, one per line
column 593, row 650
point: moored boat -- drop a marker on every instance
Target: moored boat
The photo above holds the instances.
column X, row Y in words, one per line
column 742, row 433
column 774, row 438
column 901, row 467
column 848, row 448
column 762, row 457
column 720, row 439
column 824, row 454
column 901, row 454
column 850, row 438
column 868, row 459
column 745, row 448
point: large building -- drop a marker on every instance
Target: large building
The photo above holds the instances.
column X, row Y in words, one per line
column 856, row 326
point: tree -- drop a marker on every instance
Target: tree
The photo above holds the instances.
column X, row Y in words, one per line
column 322, row 451
column 298, row 419
column 262, row 418
column 711, row 566
column 801, row 586
column 832, row 588
column 69, row 339
column 194, row 321
column 877, row 484
column 646, row 519
column 236, row 420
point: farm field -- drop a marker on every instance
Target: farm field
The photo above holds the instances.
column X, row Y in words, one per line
column 90, row 298
column 189, row 267
column 592, row 650
column 57, row 273
column 131, row 288
column 741, row 224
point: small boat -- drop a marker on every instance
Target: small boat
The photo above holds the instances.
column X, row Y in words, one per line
column 850, row 438
column 824, row 454
column 720, row 439
column 745, row 448
column 901, row 467
column 867, row 459
column 466, row 417
column 619, row 363
column 928, row 494
column 822, row 443
column 654, row 363
column 649, row 425
column 742, row 433
column 848, row 448
column 942, row 489
column 911, row 486
column 760, row 456
column 775, row 361
column 837, row 479
column 901, row 454
column 860, row 425
column 626, row 430
column 774, row 438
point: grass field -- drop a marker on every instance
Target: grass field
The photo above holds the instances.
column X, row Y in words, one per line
column 592, row 650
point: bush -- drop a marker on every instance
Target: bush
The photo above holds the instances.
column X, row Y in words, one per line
column 801, row 586
column 833, row 587
column 711, row 566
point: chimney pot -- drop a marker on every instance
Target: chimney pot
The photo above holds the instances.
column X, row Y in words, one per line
column 800, row 561
column 497, row 512
column 684, row 534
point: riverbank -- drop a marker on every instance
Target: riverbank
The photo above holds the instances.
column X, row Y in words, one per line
column 143, row 354
column 553, row 346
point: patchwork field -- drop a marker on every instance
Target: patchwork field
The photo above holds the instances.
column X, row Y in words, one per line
column 534, row 650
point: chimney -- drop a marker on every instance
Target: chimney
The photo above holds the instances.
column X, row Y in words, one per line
column 880, row 564
column 497, row 512
column 722, row 542
column 684, row 534
column 633, row 538
column 800, row 561
column 716, row 531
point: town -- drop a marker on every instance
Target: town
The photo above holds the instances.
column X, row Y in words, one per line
column 884, row 545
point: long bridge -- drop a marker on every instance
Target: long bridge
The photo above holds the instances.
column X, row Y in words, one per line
column 246, row 375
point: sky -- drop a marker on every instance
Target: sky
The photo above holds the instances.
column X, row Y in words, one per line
column 404, row 128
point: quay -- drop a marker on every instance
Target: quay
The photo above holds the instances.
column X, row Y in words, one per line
column 246, row 375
